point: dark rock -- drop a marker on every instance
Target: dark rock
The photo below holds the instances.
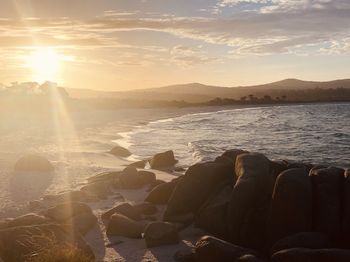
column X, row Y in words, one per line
column 250, row 200
column 161, row 233
column 19, row 243
column 346, row 211
column 185, row 255
column 100, row 189
column 33, row 163
column 277, row 167
column 120, row 225
column 109, row 177
column 160, row 195
column 312, row 240
column 76, row 214
column 212, row 216
column 130, row 178
column 312, row 255
column 154, row 184
column 124, row 209
column 306, row 166
column 139, row 164
column 230, row 156
column 327, row 186
column 291, row 208
column 146, row 177
column 195, row 187
column 163, row 160
column 210, row 249
column 146, row 208
column 120, row 151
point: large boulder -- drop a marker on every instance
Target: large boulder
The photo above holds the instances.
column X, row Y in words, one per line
column 120, row 225
column 76, row 214
column 212, row 216
column 250, row 200
column 20, row 243
column 291, row 207
column 163, row 160
column 346, row 211
column 161, row 194
column 161, row 233
column 120, row 151
column 146, row 208
column 195, row 187
column 208, row 249
column 312, row 240
column 33, row 163
column 311, row 255
column 146, row 177
column 230, row 157
column 100, row 189
column 129, row 179
column 124, row 209
column 327, row 186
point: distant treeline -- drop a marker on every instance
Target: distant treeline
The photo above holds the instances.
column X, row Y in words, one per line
column 272, row 97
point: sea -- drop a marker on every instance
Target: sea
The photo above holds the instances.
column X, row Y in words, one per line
column 77, row 143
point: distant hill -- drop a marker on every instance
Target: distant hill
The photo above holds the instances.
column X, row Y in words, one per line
column 196, row 92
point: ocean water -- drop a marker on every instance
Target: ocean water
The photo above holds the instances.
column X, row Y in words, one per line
column 315, row 133
column 77, row 142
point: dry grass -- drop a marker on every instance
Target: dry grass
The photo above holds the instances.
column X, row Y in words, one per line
column 60, row 254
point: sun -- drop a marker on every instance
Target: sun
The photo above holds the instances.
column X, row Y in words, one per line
column 45, row 64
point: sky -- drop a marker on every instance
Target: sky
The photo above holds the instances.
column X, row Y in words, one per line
column 132, row 44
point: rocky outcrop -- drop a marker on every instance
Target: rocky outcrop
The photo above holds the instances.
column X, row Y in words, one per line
column 198, row 183
column 33, row 163
column 161, row 194
column 208, row 249
column 250, row 200
column 163, row 160
column 310, row 255
column 311, row 240
column 291, row 207
column 212, row 216
column 120, row 225
column 124, row 209
column 327, row 184
column 161, row 233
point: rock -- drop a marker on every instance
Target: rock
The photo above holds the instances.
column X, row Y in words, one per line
column 311, row 255
column 25, row 220
column 250, row 201
column 100, row 189
column 154, row 184
column 130, row 178
column 33, row 163
column 146, row 208
column 312, row 240
column 195, row 187
column 76, row 214
column 277, row 167
column 19, row 243
column 291, row 207
column 185, row 255
column 160, row 195
column 139, row 164
column 210, row 249
column 230, row 156
column 120, row 225
column 306, row 166
column 146, row 177
column 327, row 186
column 163, row 160
column 212, row 216
column 161, row 233
column 346, row 211
column 120, row 151
column 124, row 209
column 109, row 177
